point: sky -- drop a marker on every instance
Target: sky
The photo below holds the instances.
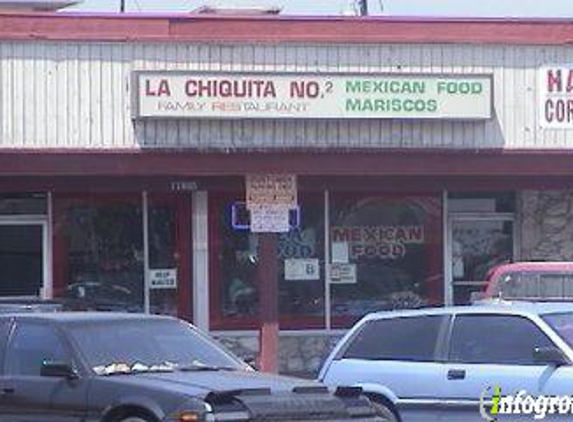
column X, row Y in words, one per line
column 468, row 8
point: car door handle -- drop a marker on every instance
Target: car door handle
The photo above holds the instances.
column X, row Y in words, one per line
column 456, row 374
column 6, row 391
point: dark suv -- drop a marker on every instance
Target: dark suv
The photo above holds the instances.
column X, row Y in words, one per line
column 107, row 367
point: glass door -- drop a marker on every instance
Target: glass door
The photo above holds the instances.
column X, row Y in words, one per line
column 477, row 243
column 169, row 254
column 23, row 258
column 163, row 256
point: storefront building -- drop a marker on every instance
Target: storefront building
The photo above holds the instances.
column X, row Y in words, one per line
column 125, row 144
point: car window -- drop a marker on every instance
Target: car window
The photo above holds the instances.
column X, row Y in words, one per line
column 495, row 339
column 5, row 325
column 535, row 285
column 519, row 285
column 30, row 346
column 148, row 343
column 409, row 339
column 555, row 286
column 562, row 323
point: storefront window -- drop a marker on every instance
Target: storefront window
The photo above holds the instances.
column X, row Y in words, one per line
column 478, row 245
column 480, row 202
column 481, row 231
column 385, row 253
column 103, row 251
column 237, row 264
column 300, row 267
column 23, row 204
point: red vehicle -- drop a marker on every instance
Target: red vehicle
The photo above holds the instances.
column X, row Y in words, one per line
column 544, row 281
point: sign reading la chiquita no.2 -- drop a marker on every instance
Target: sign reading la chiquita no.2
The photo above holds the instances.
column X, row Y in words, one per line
column 165, row 94
column 556, row 97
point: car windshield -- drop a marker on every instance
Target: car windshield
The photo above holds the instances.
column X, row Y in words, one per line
column 562, row 323
column 148, row 346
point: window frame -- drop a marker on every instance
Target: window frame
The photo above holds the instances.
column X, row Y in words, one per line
column 449, row 340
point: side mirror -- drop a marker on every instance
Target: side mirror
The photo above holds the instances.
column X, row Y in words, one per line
column 551, row 356
column 58, row 370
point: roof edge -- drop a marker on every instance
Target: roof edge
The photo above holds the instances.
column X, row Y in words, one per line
column 188, row 27
column 191, row 15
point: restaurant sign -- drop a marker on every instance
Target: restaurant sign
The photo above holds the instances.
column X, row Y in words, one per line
column 382, row 242
column 165, row 94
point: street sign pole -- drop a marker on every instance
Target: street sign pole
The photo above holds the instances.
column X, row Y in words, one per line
column 270, row 198
column 269, row 293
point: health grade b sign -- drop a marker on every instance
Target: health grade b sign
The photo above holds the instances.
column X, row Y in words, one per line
column 164, row 94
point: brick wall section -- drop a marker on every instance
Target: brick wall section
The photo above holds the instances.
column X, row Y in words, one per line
column 300, row 355
column 547, row 225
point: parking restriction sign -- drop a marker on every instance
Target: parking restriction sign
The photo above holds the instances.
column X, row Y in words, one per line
column 274, row 190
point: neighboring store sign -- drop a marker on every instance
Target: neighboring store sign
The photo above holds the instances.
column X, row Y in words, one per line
column 171, row 94
column 343, row 273
column 556, row 97
column 163, row 279
column 302, row 269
